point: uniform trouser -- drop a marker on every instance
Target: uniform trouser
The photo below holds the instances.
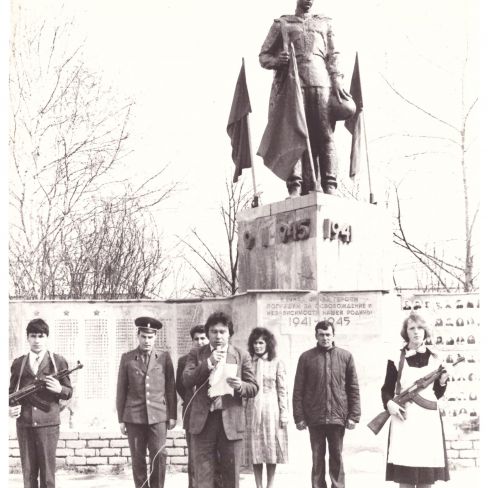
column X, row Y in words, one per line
column 210, row 444
column 37, row 446
column 321, row 134
column 334, row 435
column 152, row 438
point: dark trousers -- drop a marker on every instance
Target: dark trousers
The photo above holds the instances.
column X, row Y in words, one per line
column 212, row 444
column 191, row 470
column 334, row 435
column 37, row 446
column 191, row 474
column 152, row 438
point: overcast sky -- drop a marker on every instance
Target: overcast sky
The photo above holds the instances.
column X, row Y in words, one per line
column 179, row 61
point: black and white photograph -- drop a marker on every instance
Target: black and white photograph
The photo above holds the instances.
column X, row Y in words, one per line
column 243, row 242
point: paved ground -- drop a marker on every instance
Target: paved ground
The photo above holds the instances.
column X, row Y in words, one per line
column 363, row 457
column 465, row 478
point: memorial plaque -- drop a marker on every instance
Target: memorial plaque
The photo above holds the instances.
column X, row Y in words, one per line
column 96, row 379
column 162, row 337
column 454, row 321
column 187, row 316
column 66, row 333
column 297, row 313
column 125, row 336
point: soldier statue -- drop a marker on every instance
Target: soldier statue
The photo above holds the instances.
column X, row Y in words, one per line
column 325, row 100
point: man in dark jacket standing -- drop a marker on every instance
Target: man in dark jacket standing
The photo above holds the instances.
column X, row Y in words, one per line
column 198, row 339
column 38, row 415
column 146, row 403
column 326, row 400
column 217, row 419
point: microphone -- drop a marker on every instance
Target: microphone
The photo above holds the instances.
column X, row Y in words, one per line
column 220, row 348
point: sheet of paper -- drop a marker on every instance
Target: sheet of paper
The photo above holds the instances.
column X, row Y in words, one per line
column 219, row 384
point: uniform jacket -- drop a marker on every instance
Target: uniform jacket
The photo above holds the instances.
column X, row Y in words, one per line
column 185, row 393
column 30, row 415
column 196, row 373
column 146, row 395
column 326, row 387
column 316, row 54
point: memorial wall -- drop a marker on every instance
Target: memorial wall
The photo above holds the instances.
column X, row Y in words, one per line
column 97, row 333
column 367, row 323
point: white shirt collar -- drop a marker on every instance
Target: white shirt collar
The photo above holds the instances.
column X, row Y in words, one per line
column 411, row 352
column 33, row 356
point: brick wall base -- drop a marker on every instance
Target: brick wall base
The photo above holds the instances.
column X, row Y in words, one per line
column 109, row 452
column 105, row 452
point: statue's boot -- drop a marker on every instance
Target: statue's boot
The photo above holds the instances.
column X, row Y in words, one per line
column 330, row 189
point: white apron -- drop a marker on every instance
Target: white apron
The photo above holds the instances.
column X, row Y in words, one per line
column 417, row 441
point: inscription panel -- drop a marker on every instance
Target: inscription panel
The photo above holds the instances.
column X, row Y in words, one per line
column 298, row 313
column 96, row 380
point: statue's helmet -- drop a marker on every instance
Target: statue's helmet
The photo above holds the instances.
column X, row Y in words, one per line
column 341, row 111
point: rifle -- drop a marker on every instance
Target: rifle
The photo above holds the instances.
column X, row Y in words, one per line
column 410, row 395
column 30, row 391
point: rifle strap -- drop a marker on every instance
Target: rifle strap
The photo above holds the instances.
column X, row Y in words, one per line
column 22, row 366
column 51, row 356
column 398, row 386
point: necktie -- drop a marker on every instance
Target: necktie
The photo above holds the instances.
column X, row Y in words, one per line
column 36, row 364
column 145, row 358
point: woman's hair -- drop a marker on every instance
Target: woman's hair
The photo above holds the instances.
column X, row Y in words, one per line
column 419, row 320
column 268, row 337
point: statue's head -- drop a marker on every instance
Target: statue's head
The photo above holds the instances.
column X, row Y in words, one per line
column 304, row 5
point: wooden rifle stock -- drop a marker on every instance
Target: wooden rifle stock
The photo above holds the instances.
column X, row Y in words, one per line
column 380, row 420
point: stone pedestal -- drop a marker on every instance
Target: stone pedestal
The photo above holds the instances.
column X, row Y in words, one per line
column 321, row 257
column 315, row 242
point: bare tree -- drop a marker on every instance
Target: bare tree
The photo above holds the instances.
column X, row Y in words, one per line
column 455, row 135
column 442, row 273
column 76, row 226
column 218, row 277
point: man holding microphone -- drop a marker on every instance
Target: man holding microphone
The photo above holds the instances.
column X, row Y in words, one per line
column 217, row 420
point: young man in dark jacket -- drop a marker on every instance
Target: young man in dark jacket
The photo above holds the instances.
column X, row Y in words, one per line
column 326, row 400
column 38, row 415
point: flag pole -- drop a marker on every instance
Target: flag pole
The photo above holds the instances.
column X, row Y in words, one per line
column 371, row 195
column 255, row 200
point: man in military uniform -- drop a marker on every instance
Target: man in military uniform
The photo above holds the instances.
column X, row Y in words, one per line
column 146, row 403
column 38, row 415
column 325, row 99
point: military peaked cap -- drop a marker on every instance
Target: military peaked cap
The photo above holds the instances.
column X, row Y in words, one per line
column 148, row 324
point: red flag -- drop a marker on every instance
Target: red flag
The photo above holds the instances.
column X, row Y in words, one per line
column 285, row 137
column 237, row 126
column 355, row 124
